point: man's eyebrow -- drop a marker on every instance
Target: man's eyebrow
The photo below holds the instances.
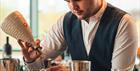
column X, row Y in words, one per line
column 66, row 0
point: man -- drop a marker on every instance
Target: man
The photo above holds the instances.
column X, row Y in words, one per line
column 94, row 30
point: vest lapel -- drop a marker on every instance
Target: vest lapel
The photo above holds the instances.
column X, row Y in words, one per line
column 78, row 41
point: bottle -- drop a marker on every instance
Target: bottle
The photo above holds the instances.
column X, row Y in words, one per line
column 7, row 50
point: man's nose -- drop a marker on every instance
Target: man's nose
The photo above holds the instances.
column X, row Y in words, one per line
column 74, row 5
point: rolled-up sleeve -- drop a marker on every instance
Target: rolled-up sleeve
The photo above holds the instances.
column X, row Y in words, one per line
column 53, row 44
column 126, row 44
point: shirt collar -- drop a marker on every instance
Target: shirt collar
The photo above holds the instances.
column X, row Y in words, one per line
column 99, row 14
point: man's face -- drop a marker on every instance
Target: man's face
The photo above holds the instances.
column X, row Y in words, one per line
column 83, row 9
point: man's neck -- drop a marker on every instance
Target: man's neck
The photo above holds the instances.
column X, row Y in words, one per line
column 96, row 10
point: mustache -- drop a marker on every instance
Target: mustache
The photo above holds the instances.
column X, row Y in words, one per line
column 77, row 11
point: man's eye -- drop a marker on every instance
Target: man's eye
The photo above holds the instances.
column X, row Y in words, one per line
column 77, row 0
column 73, row 0
column 67, row 0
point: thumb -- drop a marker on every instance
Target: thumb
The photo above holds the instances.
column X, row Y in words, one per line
column 38, row 43
column 20, row 43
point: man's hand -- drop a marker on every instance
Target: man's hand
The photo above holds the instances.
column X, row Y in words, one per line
column 28, row 52
column 57, row 68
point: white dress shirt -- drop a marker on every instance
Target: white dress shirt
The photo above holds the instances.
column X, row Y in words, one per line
column 126, row 41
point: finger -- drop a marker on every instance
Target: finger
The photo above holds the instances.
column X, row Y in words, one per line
column 29, row 55
column 28, row 44
column 30, row 50
column 53, row 68
column 56, row 68
column 38, row 54
column 35, row 54
column 37, row 42
column 21, row 44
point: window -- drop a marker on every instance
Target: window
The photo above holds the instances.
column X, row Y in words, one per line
column 49, row 12
column 6, row 7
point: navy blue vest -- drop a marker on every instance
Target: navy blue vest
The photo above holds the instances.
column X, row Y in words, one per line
column 102, row 46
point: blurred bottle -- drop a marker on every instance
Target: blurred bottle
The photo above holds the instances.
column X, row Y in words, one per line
column 7, row 49
column 7, row 63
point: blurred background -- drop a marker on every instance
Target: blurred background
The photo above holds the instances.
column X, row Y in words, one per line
column 42, row 14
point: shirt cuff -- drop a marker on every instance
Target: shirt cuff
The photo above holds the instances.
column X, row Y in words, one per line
column 27, row 61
